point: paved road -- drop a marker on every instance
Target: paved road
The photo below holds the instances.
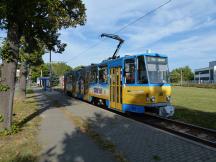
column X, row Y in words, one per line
column 137, row 142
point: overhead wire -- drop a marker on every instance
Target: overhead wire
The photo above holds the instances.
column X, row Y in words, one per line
column 146, row 14
column 121, row 29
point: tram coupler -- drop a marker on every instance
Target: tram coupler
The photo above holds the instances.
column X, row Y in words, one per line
column 166, row 111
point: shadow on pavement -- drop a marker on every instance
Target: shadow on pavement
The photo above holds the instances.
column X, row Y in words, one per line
column 44, row 104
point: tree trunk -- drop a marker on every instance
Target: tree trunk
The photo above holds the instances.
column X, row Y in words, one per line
column 6, row 98
column 22, row 80
column 9, row 76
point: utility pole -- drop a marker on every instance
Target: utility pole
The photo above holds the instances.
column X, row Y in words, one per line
column 199, row 77
column 181, row 77
column 50, row 71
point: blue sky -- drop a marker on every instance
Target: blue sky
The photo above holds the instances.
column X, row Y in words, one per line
column 185, row 30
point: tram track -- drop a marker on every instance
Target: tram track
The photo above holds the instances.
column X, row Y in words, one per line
column 195, row 133
column 189, row 131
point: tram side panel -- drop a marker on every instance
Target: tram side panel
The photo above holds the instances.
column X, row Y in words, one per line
column 88, row 84
column 98, row 84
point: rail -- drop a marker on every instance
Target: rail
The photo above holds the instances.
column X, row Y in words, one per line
column 196, row 133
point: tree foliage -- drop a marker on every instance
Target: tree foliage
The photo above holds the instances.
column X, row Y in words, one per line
column 36, row 71
column 60, row 68
column 187, row 74
column 35, row 20
column 41, row 18
column 31, row 55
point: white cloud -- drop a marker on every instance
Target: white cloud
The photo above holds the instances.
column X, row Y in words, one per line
column 155, row 33
column 182, row 29
column 196, row 51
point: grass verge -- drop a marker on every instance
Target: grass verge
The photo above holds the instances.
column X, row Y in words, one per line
column 195, row 106
column 21, row 146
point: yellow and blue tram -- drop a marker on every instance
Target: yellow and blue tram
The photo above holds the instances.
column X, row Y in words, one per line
column 137, row 83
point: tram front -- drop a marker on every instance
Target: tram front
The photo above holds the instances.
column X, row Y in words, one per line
column 146, row 84
column 159, row 96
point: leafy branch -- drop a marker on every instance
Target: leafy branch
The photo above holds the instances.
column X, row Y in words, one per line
column 4, row 88
column 1, row 118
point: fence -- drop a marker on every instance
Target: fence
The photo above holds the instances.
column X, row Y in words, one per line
column 195, row 83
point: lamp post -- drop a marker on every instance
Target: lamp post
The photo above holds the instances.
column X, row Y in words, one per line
column 199, row 77
column 50, row 71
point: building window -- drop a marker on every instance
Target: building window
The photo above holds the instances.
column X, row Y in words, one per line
column 130, row 71
column 142, row 74
column 103, row 74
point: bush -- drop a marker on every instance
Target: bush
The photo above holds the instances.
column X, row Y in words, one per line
column 29, row 91
column 54, row 80
column 14, row 129
column 211, row 86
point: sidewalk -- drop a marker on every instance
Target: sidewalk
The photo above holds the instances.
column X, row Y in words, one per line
column 62, row 142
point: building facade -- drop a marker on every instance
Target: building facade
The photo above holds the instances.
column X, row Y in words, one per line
column 207, row 74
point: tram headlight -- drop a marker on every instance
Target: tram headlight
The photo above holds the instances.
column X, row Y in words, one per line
column 153, row 99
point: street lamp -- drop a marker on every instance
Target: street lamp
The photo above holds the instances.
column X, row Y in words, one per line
column 50, row 70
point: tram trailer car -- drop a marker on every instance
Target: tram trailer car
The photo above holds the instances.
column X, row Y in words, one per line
column 137, row 83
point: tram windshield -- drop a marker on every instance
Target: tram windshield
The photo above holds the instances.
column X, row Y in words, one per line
column 157, row 68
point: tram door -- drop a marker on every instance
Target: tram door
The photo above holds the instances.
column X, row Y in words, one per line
column 115, row 88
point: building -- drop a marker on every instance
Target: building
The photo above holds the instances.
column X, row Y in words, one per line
column 207, row 74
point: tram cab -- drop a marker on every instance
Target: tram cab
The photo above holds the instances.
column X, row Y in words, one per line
column 141, row 84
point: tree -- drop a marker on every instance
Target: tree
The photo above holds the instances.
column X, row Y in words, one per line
column 36, row 71
column 175, row 76
column 35, row 19
column 29, row 56
column 187, row 74
column 60, row 68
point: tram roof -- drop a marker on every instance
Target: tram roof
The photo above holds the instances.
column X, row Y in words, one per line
column 105, row 62
column 132, row 56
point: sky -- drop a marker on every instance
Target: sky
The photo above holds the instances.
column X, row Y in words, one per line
column 184, row 30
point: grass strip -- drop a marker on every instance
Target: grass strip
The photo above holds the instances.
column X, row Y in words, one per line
column 21, row 144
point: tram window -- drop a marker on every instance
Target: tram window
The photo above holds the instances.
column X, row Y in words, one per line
column 87, row 76
column 82, row 75
column 74, row 80
column 93, row 78
column 103, row 74
column 130, row 71
column 142, row 75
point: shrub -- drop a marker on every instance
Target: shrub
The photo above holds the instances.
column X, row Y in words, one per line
column 211, row 86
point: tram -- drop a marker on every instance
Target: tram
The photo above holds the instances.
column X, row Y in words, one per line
column 136, row 83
